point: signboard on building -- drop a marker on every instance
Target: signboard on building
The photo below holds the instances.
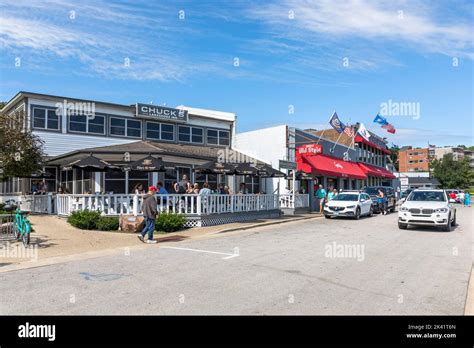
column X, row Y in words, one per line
column 310, row 149
column 287, row 165
column 161, row 113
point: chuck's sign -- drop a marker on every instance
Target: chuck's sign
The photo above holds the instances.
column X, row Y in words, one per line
column 161, row 112
column 310, row 149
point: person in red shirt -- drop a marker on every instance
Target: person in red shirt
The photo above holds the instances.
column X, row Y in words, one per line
column 452, row 195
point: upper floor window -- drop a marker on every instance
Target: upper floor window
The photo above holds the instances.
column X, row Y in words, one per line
column 45, row 119
column 190, row 134
column 159, row 131
column 125, row 127
column 218, row 137
column 87, row 124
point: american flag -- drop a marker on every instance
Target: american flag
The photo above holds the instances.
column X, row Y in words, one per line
column 348, row 131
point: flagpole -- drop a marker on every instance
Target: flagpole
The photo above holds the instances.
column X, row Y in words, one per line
column 337, row 141
column 320, row 136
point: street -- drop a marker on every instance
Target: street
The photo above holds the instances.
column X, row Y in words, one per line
column 316, row 266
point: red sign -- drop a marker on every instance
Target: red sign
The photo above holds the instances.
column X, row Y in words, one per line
column 310, row 149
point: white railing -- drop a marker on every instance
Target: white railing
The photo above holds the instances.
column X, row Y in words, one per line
column 288, row 200
column 188, row 204
column 43, row 204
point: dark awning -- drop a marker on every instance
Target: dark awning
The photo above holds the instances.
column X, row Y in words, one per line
column 91, row 164
column 147, row 164
column 215, row 168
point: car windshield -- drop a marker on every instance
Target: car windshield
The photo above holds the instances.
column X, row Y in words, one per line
column 430, row 196
column 346, row 197
column 372, row 191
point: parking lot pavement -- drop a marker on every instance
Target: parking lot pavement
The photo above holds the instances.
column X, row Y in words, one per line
column 307, row 267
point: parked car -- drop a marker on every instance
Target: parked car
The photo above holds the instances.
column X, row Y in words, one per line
column 456, row 192
column 389, row 193
column 427, row 207
column 349, row 204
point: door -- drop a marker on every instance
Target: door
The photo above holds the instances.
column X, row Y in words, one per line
column 365, row 206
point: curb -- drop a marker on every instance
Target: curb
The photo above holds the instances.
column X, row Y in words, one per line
column 269, row 223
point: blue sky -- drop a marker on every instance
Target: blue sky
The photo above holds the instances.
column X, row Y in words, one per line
column 313, row 56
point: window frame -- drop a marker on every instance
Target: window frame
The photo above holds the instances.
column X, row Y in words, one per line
column 104, row 116
column 160, row 131
column 125, row 119
column 46, row 112
column 218, row 136
column 190, row 134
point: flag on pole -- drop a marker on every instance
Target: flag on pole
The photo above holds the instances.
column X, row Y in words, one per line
column 336, row 123
column 389, row 127
column 380, row 120
column 348, row 131
column 363, row 132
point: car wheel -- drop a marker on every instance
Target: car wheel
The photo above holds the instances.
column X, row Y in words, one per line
column 371, row 212
column 448, row 227
column 454, row 221
column 402, row 226
column 357, row 215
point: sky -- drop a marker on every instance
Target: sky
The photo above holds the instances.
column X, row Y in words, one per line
column 270, row 62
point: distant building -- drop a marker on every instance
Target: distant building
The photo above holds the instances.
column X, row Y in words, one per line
column 414, row 159
column 457, row 152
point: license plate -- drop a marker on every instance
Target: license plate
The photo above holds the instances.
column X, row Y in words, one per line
column 335, row 213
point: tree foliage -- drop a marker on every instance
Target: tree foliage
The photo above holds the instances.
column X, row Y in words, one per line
column 451, row 173
column 393, row 158
column 21, row 152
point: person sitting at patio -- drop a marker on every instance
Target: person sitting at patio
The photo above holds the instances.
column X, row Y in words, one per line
column 243, row 190
column 227, row 190
column 61, row 190
column 138, row 189
column 161, row 191
column 221, row 189
column 149, row 209
column 195, row 189
column 205, row 190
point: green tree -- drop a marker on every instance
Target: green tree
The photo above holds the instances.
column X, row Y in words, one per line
column 21, row 152
column 393, row 158
column 451, row 173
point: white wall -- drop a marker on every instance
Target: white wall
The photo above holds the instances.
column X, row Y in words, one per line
column 268, row 145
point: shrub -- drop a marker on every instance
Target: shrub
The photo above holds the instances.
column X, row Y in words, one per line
column 84, row 219
column 169, row 222
column 108, row 223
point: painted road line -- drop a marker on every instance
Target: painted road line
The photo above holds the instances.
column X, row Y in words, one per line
column 228, row 255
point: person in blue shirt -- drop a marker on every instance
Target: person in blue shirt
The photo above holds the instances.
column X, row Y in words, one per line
column 161, row 191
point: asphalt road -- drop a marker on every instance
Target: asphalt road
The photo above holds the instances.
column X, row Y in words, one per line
column 310, row 267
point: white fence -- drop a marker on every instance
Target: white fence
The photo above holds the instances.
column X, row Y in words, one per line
column 189, row 204
column 294, row 201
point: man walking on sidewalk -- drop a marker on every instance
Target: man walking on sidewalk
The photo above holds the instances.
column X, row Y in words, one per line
column 149, row 209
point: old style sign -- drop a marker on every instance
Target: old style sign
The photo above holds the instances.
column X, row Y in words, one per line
column 310, row 149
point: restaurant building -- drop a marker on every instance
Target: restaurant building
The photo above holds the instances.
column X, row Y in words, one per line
column 183, row 137
column 320, row 157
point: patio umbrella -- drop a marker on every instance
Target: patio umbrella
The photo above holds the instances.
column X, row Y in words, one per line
column 91, row 164
column 215, row 168
column 147, row 164
column 267, row 171
column 246, row 169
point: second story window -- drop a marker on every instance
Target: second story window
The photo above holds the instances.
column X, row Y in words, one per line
column 87, row 124
column 159, row 131
column 218, row 137
column 45, row 119
column 190, row 134
column 125, row 127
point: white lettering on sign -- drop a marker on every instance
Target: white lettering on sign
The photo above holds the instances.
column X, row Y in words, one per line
column 310, row 149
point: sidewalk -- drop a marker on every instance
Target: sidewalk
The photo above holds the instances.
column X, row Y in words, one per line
column 55, row 241
column 469, row 307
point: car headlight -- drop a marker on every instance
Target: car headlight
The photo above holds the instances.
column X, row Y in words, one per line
column 402, row 208
column 350, row 207
column 441, row 210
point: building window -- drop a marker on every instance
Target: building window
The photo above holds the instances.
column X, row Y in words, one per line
column 87, row 124
column 190, row 134
column 159, row 131
column 137, row 177
column 45, row 119
column 125, row 127
column 66, row 180
column 218, row 137
column 114, row 182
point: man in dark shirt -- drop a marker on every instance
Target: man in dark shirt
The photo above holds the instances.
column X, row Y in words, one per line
column 149, row 209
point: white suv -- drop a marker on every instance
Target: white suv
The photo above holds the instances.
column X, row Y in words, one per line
column 427, row 207
column 349, row 203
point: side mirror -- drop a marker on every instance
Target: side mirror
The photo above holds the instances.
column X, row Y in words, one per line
column 362, row 200
column 402, row 200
